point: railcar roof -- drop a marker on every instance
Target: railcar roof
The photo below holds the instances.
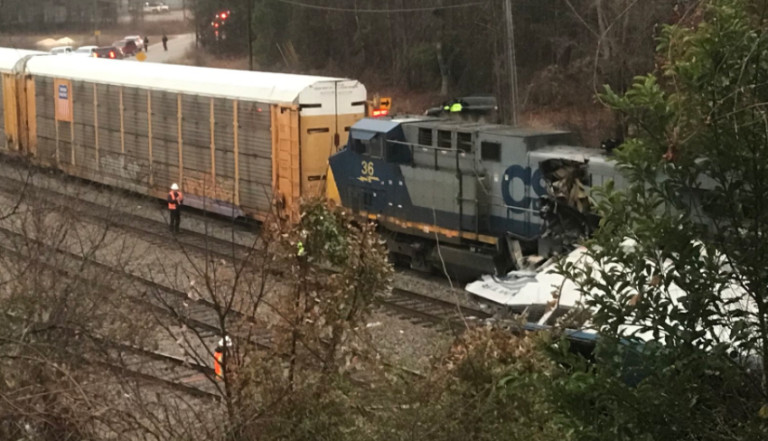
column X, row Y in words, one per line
column 524, row 132
column 264, row 87
column 9, row 57
column 573, row 153
column 469, row 126
column 375, row 125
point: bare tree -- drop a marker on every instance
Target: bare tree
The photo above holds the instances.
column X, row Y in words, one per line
column 59, row 319
column 293, row 325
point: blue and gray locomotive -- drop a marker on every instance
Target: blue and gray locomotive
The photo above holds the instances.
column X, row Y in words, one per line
column 469, row 196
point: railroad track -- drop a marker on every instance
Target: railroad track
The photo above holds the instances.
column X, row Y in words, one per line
column 154, row 231
column 419, row 308
column 168, row 371
column 183, row 374
column 431, row 311
column 198, row 314
column 129, row 360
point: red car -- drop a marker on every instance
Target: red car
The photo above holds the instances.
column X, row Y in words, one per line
column 128, row 47
column 112, row 52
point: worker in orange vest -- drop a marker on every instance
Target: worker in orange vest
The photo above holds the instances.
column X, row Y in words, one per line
column 175, row 200
column 218, row 356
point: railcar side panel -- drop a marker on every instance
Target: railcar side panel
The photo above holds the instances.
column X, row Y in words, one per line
column 196, row 145
column 165, row 149
column 286, row 158
column 224, row 140
column 255, row 157
column 28, row 116
column 5, row 139
column 46, row 132
column 135, row 139
column 219, row 150
column 85, row 133
column 111, row 134
column 317, row 145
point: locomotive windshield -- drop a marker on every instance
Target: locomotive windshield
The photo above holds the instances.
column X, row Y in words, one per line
column 373, row 146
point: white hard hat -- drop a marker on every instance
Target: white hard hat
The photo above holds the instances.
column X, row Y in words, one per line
column 174, row 186
column 227, row 340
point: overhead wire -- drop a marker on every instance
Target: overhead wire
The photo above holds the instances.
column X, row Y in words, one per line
column 376, row 11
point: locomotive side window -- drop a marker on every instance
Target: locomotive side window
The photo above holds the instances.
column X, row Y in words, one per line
column 444, row 139
column 425, row 137
column 375, row 147
column 464, row 142
column 490, row 151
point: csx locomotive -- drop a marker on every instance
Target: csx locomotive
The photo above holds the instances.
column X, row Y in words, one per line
column 464, row 196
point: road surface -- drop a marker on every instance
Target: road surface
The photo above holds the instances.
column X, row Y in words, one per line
column 174, row 15
column 178, row 46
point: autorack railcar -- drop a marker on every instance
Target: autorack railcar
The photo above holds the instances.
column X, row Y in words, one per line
column 238, row 142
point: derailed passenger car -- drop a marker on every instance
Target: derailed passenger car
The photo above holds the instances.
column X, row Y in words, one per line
column 468, row 195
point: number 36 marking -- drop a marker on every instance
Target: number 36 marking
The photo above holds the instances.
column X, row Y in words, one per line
column 367, row 168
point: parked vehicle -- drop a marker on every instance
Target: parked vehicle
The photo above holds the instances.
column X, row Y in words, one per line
column 138, row 39
column 61, row 50
column 85, row 51
column 128, row 47
column 112, row 52
column 156, row 8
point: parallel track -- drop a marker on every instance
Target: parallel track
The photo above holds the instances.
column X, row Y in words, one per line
column 131, row 361
column 418, row 307
column 181, row 374
column 166, row 370
column 429, row 311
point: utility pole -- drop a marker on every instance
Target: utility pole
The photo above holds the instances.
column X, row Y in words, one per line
column 511, row 63
column 96, row 16
column 250, row 33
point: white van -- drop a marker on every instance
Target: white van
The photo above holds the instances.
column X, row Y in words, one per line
column 61, row 50
column 85, row 51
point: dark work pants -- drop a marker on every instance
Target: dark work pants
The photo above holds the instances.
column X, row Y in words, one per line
column 175, row 220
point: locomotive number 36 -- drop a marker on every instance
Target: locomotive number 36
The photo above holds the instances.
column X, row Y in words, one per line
column 367, row 168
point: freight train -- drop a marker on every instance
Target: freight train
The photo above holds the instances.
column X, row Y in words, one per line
column 463, row 196
column 238, row 142
column 468, row 197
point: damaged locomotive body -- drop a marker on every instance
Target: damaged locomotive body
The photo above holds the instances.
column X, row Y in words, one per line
column 472, row 198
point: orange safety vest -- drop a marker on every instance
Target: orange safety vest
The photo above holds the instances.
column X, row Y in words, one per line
column 174, row 199
column 218, row 358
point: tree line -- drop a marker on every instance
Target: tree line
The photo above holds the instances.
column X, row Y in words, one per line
column 565, row 49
